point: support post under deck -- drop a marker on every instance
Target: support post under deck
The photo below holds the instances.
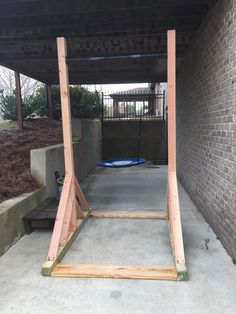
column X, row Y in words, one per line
column 18, row 100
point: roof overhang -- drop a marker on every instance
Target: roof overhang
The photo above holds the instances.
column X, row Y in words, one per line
column 28, row 31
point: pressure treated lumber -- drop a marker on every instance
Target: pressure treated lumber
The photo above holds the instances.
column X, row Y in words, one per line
column 171, row 78
column 141, row 215
column 65, row 106
column 66, row 222
column 72, row 200
column 49, row 265
column 175, row 227
column 115, row 271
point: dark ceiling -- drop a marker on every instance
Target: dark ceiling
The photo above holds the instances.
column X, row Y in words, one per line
column 28, row 31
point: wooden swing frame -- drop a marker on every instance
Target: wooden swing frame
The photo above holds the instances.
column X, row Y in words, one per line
column 74, row 211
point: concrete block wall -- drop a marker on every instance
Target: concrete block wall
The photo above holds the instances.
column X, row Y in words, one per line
column 11, row 213
column 45, row 161
column 90, row 147
column 206, row 122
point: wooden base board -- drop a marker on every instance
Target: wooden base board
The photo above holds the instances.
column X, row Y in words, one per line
column 115, row 271
column 148, row 272
column 138, row 215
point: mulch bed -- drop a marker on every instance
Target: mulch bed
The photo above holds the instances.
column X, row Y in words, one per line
column 15, row 146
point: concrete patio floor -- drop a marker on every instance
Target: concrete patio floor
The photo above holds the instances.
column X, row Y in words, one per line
column 212, row 275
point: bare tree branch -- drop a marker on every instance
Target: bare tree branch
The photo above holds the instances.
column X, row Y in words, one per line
column 7, row 83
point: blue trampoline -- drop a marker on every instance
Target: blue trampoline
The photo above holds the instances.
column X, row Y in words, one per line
column 121, row 162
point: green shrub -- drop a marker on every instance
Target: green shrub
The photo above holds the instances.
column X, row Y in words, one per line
column 8, row 106
column 84, row 104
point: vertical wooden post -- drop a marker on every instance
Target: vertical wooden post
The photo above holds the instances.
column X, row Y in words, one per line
column 172, row 189
column 18, row 100
column 49, row 100
column 65, row 106
column 171, row 75
column 72, row 201
column 67, row 202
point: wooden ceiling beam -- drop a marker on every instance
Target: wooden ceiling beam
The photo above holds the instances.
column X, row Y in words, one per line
column 120, row 21
column 44, row 8
column 76, row 14
column 75, row 79
column 112, row 78
column 159, row 37
column 45, row 32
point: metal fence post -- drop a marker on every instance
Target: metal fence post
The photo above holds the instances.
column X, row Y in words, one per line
column 102, row 106
column 164, row 104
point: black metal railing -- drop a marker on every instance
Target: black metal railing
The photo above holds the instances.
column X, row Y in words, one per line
column 133, row 106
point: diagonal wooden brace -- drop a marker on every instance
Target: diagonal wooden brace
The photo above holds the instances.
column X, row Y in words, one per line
column 78, row 210
column 82, row 200
column 60, row 219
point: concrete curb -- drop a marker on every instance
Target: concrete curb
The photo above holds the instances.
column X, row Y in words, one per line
column 11, row 213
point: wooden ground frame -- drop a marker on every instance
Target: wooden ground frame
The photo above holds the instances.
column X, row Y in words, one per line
column 74, row 211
